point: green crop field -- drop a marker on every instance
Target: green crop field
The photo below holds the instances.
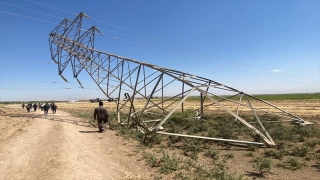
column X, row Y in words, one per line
column 270, row 97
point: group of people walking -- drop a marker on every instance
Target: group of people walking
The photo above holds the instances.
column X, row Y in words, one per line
column 100, row 113
column 44, row 107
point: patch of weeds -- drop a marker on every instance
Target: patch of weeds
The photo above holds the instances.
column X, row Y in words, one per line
column 226, row 127
column 274, row 153
column 194, row 156
column 169, row 164
column 187, row 164
column 182, row 119
column 213, row 154
column 309, row 157
column 229, row 156
column 212, row 133
column 182, row 175
column 220, row 172
column 174, row 139
column 292, row 164
column 283, row 133
column 312, row 143
column 151, row 159
column 198, row 126
column 153, row 139
column 263, row 165
column 249, row 154
column 192, row 146
column 129, row 133
column 281, row 145
column 300, row 151
column 253, row 148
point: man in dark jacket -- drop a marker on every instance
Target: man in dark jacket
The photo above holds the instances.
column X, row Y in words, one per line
column 54, row 108
column 28, row 107
column 46, row 108
column 35, row 106
column 101, row 114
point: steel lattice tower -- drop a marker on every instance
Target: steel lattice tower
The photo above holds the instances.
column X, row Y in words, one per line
column 149, row 89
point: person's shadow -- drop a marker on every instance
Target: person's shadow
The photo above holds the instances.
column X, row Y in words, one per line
column 89, row 131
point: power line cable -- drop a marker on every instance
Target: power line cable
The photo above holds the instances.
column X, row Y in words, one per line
column 139, row 44
column 90, row 18
column 52, row 7
column 244, row 64
column 31, row 10
column 101, row 29
column 103, row 22
column 28, row 17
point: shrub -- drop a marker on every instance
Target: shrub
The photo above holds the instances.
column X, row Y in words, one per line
column 274, row 153
column 300, row 151
column 292, row 164
column 151, row 159
column 312, row 143
column 229, row 156
column 169, row 164
column 214, row 154
column 249, row 154
column 263, row 165
column 153, row 139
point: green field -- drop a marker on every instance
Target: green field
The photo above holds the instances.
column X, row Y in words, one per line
column 269, row 97
column 288, row 96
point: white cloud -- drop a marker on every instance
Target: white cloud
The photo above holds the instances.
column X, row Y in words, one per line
column 276, row 70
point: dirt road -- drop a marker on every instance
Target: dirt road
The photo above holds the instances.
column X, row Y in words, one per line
column 37, row 146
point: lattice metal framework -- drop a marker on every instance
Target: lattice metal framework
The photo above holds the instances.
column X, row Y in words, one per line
column 142, row 88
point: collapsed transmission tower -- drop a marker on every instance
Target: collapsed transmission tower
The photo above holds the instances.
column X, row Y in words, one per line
column 141, row 89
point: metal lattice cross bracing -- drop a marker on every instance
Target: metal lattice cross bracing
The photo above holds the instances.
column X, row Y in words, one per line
column 149, row 89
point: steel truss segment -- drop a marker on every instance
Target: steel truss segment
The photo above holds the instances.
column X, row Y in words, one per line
column 259, row 122
column 211, row 138
column 173, row 110
column 160, row 90
column 240, row 119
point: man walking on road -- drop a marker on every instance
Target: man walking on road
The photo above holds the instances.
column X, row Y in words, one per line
column 101, row 114
column 46, row 108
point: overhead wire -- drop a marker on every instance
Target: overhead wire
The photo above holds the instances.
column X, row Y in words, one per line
column 46, row 14
column 28, row 17
column 90, row 17
column 52, row 7
column 103, row 22
column 111, row 25
column 123, row 39
column 31, row 10
column 137, row 43
column 215, row 63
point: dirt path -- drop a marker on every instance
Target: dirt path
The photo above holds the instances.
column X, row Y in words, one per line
column 48, row 148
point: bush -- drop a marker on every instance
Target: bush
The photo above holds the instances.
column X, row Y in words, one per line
column 263, row 165
column 300, row 151
column 292, row 164
column 274, row 153
column 213, row 154
column 169, row 164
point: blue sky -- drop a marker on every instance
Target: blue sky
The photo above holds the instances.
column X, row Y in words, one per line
column 259, row 47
